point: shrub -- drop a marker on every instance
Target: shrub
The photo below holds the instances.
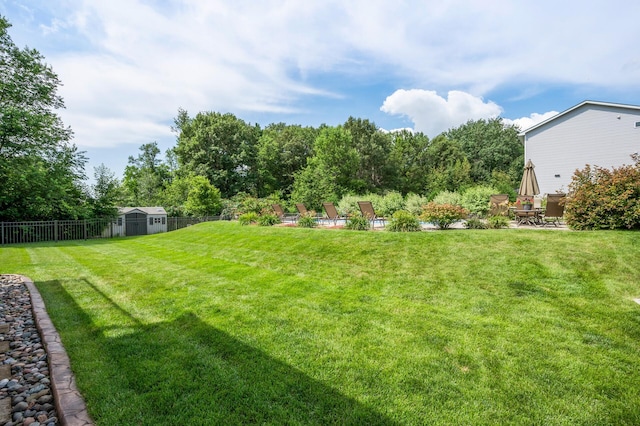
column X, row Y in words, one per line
column 403, row 221
column 414, row 203
column 348, row 205
column 600, row 198
column 497, row 222
column 229, row 209
column 245, row 203
column 442, row 215
column 389, row 204
column 248, row 218
column 307, row 221
column 476, row 199
column 357, row 222
column 448, row 197
column 475, row 223
column 268, row 219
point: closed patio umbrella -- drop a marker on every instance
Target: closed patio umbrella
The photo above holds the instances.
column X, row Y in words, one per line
column 529, row 182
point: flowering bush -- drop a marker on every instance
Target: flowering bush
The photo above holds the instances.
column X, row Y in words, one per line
column 600, row 198
column 443, row 215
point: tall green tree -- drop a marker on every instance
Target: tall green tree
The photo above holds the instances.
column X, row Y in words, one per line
column 490, row 146
column 220, row 147
column 105, row 193
column 374, row 147
column 331, row 172
column 282, row 152
column 145, row 177
column 203, row 199
column 409, row 159
column 448, row 167
column 41, row 171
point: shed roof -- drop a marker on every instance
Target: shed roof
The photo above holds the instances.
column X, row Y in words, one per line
column 573, row 108
column 145, row 210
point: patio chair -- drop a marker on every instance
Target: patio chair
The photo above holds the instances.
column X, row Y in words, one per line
column 302, row 210
column 554, row 210
column 366, row 208
column 277, row 208
column 332, row 213
column 499, row 205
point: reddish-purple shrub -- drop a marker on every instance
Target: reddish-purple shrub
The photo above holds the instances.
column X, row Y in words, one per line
column 601, row 198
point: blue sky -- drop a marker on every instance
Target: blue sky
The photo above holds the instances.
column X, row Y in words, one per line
column 128, row 65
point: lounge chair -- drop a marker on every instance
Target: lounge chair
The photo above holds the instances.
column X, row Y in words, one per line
column 302, row 210
column 499, row 205
column 366, row 208
column 277, row 208
column 555, row 209
column 332, row 213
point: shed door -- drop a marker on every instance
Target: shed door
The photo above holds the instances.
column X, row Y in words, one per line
column 136, row 224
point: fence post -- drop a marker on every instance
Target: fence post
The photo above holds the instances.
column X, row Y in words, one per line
column 85, row 228
column 2, row 231
column 55, row 231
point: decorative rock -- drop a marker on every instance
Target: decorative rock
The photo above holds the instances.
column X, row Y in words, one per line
column 26, row 358
column 20, row 406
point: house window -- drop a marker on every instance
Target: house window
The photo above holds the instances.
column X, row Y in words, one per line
column 164, row 220
column 156, row 220
column 119, row 221
column 637, row 123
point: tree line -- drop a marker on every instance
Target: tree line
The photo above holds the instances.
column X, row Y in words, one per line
column 218, row 156
column 223, row 154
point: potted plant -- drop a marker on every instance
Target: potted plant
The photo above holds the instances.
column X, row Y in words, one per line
column 527, row 204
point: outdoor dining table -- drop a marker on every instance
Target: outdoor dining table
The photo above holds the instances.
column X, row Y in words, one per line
column 528, row 217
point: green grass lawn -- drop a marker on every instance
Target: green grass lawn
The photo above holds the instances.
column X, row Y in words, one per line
column 224, row 324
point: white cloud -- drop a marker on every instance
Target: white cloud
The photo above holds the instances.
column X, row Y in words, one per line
column 432, row 114
column 525, row 122
column 138, row 61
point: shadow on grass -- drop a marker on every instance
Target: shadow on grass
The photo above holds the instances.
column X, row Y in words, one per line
column 186, row 372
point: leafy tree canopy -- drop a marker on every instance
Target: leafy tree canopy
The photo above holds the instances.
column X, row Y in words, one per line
column 490, row 146
column 220, row 147
column 40, row 169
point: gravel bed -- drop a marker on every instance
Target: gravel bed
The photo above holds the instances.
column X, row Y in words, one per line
column 30, row 384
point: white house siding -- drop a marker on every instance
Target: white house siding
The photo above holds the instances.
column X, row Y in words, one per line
column 595, row 134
